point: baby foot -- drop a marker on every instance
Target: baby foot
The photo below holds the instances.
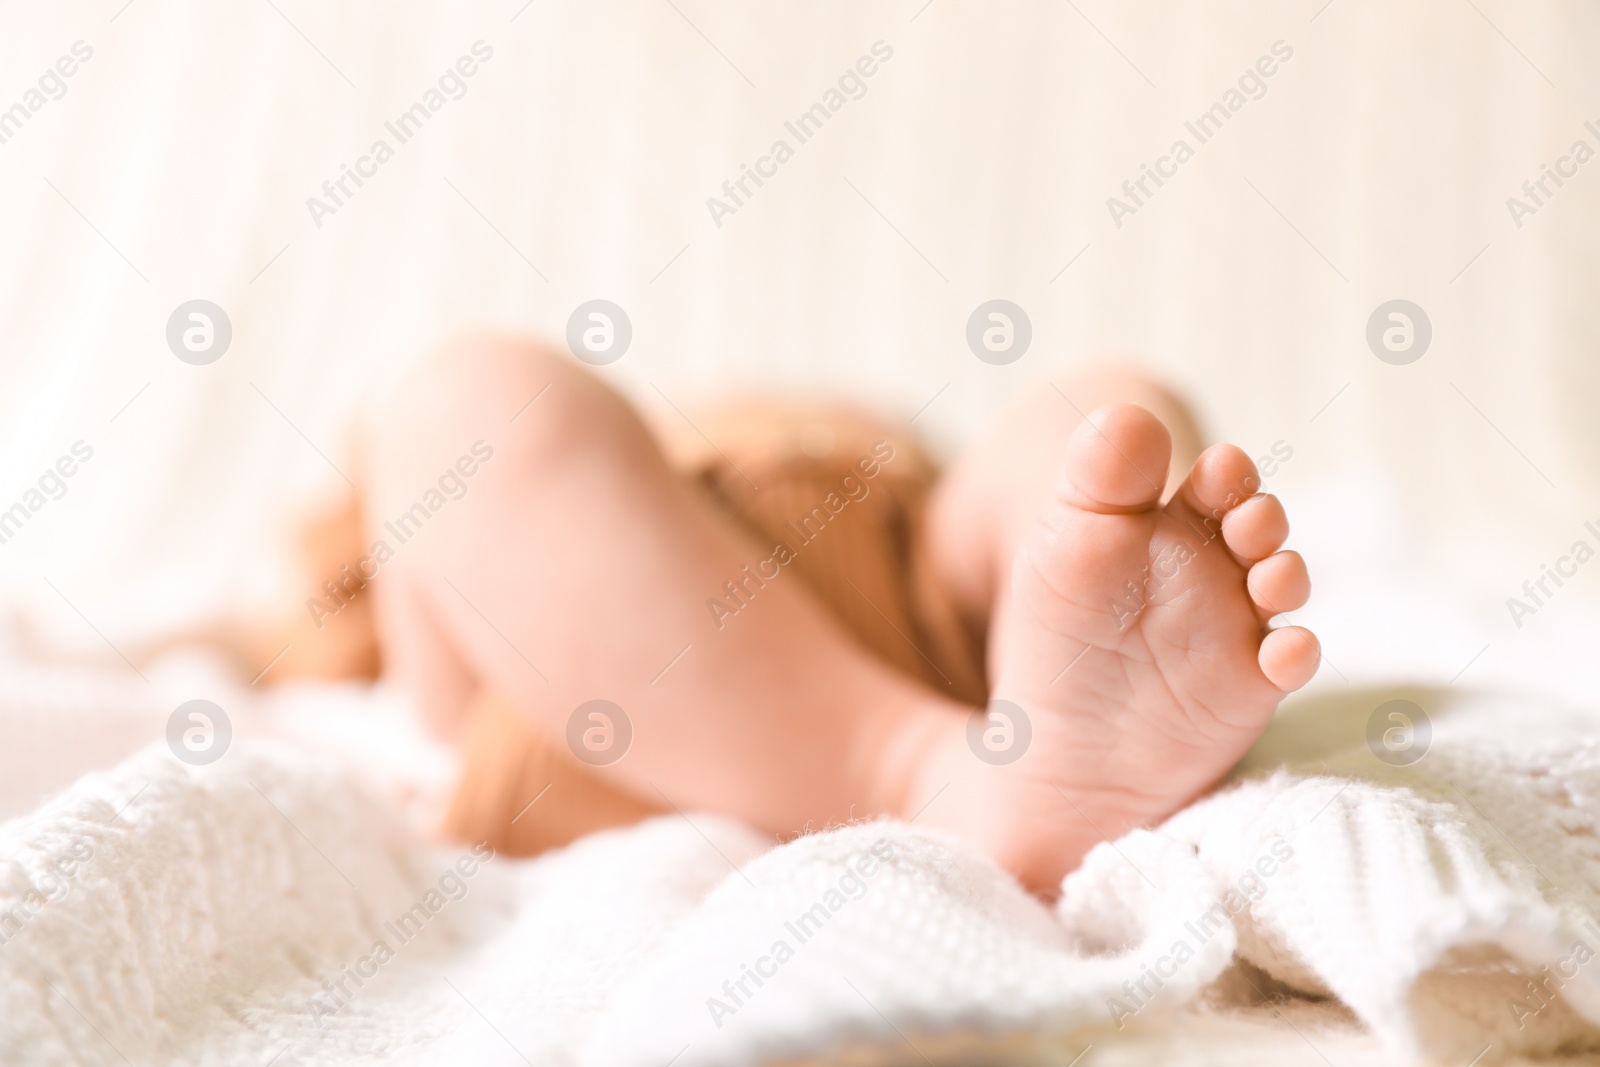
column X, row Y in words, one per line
column 1133, row 635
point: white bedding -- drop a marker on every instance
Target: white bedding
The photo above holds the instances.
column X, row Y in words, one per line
column 208, row 916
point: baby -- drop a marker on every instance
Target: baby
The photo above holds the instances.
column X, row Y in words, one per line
column 1120, row 627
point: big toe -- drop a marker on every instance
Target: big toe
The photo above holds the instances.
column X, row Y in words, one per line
column 1117, row 460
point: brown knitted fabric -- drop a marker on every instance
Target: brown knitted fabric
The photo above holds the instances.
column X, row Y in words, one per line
column 846, row 497
column 798, row 477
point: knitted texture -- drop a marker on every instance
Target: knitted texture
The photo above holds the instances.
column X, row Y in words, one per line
column 231, row 914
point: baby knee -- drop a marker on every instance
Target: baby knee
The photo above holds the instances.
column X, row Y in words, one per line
column 520, row 398
column 479, row 372
column 531, row 400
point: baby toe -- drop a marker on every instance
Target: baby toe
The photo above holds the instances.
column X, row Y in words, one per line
column 1117, row 460
column 1256, row 528
column 1223, row 478
column 1289, row 657
column 1279, row 583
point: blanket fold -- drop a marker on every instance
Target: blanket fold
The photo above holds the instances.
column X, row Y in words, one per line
column 265, row 905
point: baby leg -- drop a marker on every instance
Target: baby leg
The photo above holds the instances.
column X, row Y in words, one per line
column 571, row 564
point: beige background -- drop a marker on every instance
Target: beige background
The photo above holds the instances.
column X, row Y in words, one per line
column 1376, row 166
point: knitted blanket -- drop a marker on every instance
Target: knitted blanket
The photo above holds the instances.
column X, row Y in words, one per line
column 267, row 910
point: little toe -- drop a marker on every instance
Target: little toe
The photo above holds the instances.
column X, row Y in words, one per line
column 1223, row 478
column 1279, row 583
column 1289, row 657
column 1117, row 460
column 1256, row 528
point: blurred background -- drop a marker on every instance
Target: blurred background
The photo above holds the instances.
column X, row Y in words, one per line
column 976, row 163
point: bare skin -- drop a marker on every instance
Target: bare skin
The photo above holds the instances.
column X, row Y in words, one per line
column 575, row 565
column 1132, row 633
